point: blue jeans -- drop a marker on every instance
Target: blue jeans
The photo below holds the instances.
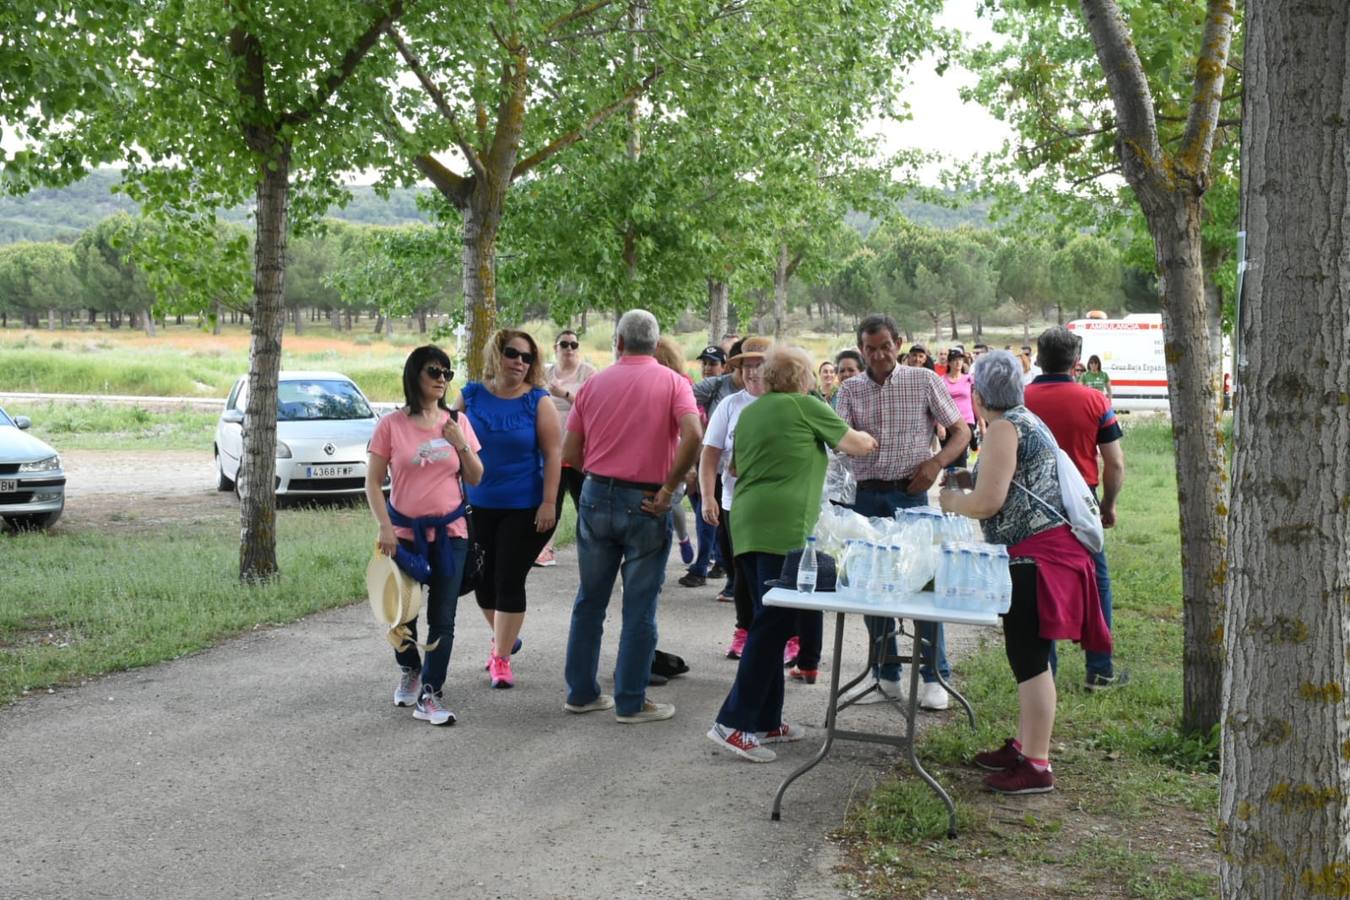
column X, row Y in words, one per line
column 613, row 533
column 442, row 603
column 883, row 504
column 1098, row 663
column 756, row 699
column 707, row 539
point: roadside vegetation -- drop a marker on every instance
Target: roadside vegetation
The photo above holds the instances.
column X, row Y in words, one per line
column 1134, row 810
column 79, row 603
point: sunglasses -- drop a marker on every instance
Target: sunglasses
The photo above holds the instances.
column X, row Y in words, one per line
column 513, row 353
column 568, row 345
column 436, row 373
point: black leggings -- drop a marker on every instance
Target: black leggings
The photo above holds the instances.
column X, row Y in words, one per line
column 745, row 604
column 1028, row 652
column 510, row 546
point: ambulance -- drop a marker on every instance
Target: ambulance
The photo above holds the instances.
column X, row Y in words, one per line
column 1131, row 351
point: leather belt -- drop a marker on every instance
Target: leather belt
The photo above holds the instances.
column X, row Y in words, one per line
column 873, row 484
column 621, row 483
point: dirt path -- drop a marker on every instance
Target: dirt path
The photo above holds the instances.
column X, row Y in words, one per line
column 142, row 489
column 275, row 764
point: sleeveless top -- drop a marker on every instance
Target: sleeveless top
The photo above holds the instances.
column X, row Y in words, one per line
column 513, row 466
column 1022, row 515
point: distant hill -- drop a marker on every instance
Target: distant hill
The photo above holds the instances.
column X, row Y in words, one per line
column 61, row 214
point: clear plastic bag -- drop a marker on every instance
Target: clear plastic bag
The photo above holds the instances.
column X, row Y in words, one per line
column 840, row 485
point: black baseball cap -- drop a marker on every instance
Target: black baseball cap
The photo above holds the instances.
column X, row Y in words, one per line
column 713, row 353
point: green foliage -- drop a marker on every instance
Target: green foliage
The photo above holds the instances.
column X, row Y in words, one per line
column 1043, row 78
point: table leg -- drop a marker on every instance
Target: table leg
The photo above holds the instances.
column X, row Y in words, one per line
column 911, row 713
column 830, row 712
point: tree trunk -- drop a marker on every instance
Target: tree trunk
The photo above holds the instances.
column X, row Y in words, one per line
column 421, row 321
column 585, row 312
column 1285, row 784
column 1202, row 487
column 215, row 320
column 717, row 309
column 482, row 215
column 148, row 319
column 347, row 318
column 51, row 319
column 299, row 321
column 389, row 326
column 379, row 323
column 956, row 335
column 257, row 494
column 781, row 274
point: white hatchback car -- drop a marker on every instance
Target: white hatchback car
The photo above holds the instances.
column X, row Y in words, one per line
column 324, row 427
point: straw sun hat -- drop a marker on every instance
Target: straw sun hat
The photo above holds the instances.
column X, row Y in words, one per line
column 395, row 599
column 751, row 348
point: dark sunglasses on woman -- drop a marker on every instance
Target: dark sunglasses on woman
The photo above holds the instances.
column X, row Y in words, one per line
column 513, row 353
column 568, row 345
column 436, row 373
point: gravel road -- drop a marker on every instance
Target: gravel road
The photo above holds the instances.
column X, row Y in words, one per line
column 275, row 764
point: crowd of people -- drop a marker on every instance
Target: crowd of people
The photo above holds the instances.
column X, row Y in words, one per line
column 477, row 485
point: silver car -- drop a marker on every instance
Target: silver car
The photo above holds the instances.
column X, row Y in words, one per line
column 324, row 427
column 32, row 482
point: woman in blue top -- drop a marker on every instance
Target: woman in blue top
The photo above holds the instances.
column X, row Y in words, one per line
column 515, row 507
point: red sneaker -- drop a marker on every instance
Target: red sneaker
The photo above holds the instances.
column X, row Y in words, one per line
column 783, row 734
column 1000, row 760
column 1021, row 779
column 790, row 651
column 737, row 643
column 807, row 675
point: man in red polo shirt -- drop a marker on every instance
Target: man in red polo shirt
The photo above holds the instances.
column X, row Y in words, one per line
column 634, row 430
column 1084, row 424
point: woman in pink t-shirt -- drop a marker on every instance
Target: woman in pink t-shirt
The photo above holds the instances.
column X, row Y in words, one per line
column 959, row 384
column 426, row 451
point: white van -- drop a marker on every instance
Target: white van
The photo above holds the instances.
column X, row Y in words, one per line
column 1131, row 351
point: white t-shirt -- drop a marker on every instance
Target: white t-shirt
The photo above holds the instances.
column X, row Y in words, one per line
column 720, row 433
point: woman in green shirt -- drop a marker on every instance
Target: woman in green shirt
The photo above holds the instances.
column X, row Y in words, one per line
column 779, row 458
column 1095, row 378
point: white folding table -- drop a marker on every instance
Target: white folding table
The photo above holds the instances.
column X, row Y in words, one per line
column 918, row 608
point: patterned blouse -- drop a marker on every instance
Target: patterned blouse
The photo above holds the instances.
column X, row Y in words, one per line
column 1022, row 515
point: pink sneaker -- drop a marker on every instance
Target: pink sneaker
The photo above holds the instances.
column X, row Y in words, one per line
column 546, row 557
column 737, row 643
column 499, row 672
column 790, row 651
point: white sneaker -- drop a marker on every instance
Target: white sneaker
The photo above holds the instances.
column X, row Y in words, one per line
column 604, row 701
column 894, row 690
column 783, row 734
column 743, row 743
column 409, row 686
column 650, row 712
column 858, row 690
column 429, row 708
column 933, row 696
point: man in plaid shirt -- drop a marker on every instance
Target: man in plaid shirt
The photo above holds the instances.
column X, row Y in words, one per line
column 900, row 406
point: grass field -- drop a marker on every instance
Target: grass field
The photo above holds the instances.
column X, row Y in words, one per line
column 1134, row 815
column 184, row 361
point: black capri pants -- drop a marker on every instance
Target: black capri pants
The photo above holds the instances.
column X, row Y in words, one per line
column 510, row 546
column 1028, row 652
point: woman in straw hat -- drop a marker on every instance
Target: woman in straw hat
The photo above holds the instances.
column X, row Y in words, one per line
column 426, row 450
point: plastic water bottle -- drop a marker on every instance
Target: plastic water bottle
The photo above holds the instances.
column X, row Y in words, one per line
column 806, row 569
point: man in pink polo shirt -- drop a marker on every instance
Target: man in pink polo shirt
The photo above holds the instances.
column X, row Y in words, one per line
column 634, row 430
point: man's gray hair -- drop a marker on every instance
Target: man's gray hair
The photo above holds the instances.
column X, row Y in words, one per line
column 998, row 378
column 640, row 332
column 1057, row 350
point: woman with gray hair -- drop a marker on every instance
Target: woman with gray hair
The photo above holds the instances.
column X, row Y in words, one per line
column 1054, row 588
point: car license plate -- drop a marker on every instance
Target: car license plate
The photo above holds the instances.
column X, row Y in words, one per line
column 8, row 485
column 327, row 471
